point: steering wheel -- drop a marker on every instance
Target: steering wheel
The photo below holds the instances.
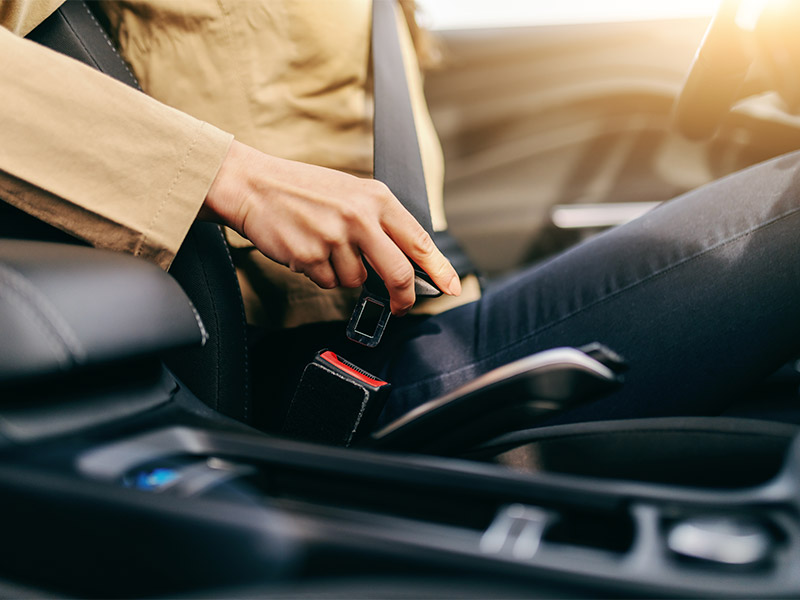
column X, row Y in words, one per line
column 715, row 77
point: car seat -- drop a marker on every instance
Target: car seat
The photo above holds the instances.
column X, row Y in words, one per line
column 216, row 373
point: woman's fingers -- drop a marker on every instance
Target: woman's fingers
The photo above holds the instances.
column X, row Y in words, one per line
column 394, row 269
column 349, row 266
column 415, row 243
column 322, row 274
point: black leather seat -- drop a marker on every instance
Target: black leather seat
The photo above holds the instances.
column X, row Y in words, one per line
column 217, row 373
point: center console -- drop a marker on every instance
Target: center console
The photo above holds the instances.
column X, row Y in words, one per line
column 116, row 481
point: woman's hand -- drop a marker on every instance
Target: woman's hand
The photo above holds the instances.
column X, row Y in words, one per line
column 320, row 222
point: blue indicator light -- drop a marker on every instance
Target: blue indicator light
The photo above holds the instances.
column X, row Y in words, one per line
column 155, row 479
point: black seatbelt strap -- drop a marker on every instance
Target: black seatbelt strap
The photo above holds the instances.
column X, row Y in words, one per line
column 398, row 164
column 397, row 159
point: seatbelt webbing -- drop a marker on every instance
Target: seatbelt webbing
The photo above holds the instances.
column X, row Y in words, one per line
column 397, row 159
column 398, row 164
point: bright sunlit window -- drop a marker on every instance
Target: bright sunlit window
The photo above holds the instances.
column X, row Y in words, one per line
column 469, row 14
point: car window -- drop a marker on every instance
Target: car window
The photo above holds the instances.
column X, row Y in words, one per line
column 472, row 14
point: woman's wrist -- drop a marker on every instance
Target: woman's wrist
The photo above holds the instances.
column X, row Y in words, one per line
column 225, row 198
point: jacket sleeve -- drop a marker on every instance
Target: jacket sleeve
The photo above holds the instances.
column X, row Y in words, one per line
column 21, row 16
column 98, row 159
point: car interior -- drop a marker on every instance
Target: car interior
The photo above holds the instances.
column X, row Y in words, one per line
column 130, row 467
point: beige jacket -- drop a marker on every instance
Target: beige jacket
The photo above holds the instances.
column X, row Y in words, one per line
column 124, row 171
column 92, row 156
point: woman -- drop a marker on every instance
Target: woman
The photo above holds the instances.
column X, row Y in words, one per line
column 698, row 295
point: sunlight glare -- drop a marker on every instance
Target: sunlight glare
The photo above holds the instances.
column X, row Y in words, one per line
column 748, row 13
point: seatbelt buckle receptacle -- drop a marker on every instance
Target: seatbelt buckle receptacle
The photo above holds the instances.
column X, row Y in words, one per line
column 335, row 403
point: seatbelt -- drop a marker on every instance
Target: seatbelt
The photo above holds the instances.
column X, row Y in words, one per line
column 397, row 159
column 398, row 164
column 336, row 402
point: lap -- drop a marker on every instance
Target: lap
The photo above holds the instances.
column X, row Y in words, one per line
column 700, row 296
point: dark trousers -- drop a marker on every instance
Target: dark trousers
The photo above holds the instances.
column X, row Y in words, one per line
column 701, row 296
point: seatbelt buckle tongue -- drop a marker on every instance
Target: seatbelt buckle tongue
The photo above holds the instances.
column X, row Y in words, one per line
column 424, row 286
column 372, row 310
column 369, row 319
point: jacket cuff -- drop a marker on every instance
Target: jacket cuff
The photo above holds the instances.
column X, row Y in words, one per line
column 195, row 172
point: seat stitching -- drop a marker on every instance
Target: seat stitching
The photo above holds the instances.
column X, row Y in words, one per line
column 114, row 48
column 214, row 311
column 243, row 320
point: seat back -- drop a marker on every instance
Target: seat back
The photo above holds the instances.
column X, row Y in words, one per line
column 217, row 373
